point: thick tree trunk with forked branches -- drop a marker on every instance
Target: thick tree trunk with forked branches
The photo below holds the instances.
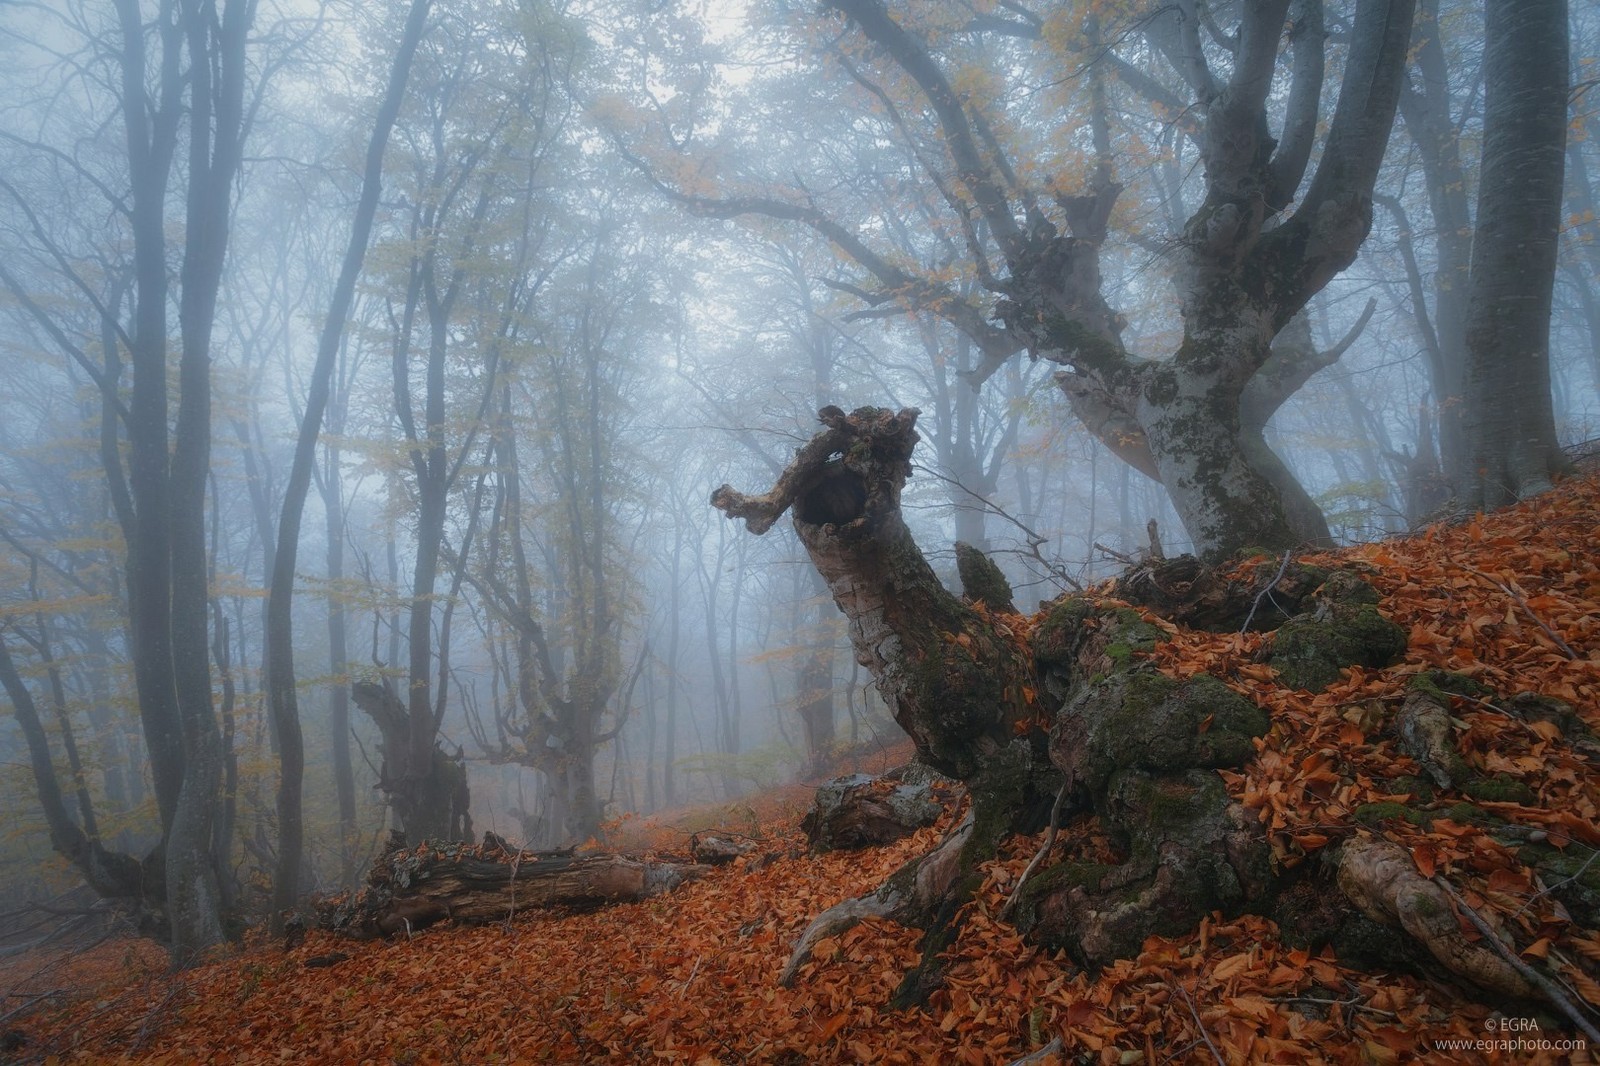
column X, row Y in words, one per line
column 1271, row 231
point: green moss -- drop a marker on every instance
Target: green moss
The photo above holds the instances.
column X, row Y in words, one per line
column 1173, row 804
column 1443, row 684
column 1419, row 787
column 1067, row 876
column 1055, row 638
column 1121, row 654
column 1310, row 652
column 999, row 793
column 1372, row 815
column 1148, row 811
column 1148, row 721
column 1562, row 715
column 1469, row 814
column 981, row 579
column 1092, row 349
column 1133, row 631
column 1062, row 878
column 1500, row 789
column 1360, row 941
column 1573, row 876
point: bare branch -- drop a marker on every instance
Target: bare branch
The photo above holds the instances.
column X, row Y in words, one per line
column 913, row 58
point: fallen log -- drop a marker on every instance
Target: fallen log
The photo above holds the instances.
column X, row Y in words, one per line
column 409, row 889
column 858, row 811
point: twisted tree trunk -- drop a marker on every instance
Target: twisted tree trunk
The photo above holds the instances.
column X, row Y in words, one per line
column 1061, row 716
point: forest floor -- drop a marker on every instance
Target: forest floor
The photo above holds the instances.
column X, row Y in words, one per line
column 1511, row 599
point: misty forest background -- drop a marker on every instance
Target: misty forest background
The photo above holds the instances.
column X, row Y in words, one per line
column 622, row 253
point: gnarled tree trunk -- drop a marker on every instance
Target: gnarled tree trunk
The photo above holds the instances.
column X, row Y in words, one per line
column 1062, row 714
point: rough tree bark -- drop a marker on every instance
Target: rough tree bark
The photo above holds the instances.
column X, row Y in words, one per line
column 1068, row 720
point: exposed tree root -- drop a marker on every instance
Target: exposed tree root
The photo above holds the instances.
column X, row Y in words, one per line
column 1381, row 879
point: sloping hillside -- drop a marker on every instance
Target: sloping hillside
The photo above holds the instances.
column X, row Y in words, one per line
column 1509, row 603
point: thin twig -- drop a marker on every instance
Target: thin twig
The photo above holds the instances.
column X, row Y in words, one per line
column 1351, row 1004
column 1566, row 648
column 1195, row 1014
column 27, row 1005
column 1112, row 553
column 157, row 1015
column 1282, row 567
column 1543, row 892
column 511, row 910
column 687, row 981
column 1034, row 540
column 1039, row 856
column 1557, row 998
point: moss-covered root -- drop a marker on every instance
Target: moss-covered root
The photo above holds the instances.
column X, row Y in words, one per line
column 1144, row 720
column 1005, row 796
column 1078, row 641
column 1425, row 735
column 1192, row 851
column 1142, row 746
column 929, row 892
column 1345, row 629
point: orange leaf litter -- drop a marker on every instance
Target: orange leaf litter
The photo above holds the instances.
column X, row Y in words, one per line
column 692, row 977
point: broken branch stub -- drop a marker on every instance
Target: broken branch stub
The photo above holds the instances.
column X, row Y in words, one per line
column 844, row 476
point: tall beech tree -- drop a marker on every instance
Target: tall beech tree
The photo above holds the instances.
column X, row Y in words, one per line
column 282, row 705
column 1510, row 449
column 1433, row 120
column 459, row 138
column 1034, row 219
column 567, row 394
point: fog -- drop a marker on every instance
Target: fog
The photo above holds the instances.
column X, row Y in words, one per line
column 622, row 255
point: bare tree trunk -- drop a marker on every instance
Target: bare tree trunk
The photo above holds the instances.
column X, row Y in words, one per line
column 1425, row 103
column 282, row 700
column 112, row 875
column 339, row 663
column 1511, row 447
